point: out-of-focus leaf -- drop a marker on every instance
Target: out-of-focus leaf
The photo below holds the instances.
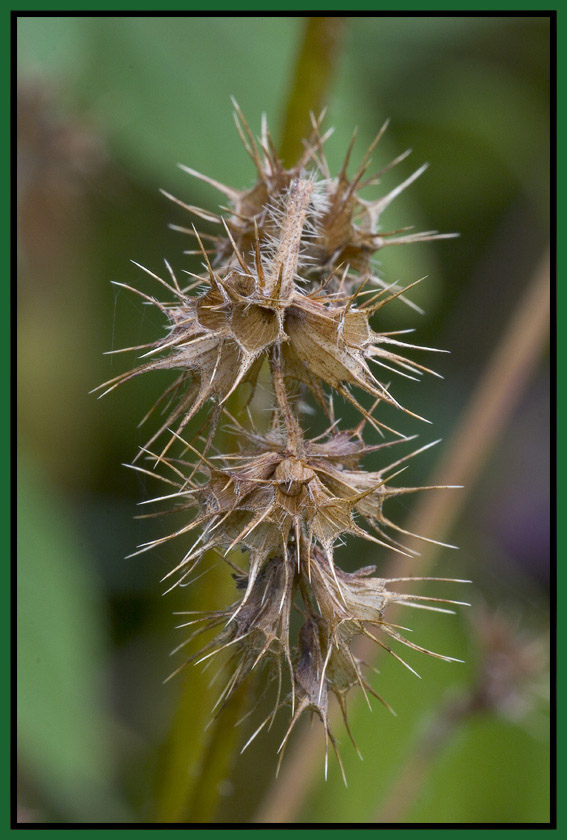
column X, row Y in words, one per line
column 490, row 769
column 53, row 45
column 385, row 740
column 494, row 772
column 62, row 726
column 161, row 86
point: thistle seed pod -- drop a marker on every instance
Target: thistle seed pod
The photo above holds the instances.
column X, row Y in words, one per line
column 219, row 338
column 348, row 231
column 283, row 291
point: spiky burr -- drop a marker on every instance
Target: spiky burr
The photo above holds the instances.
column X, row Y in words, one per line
column 288, row 288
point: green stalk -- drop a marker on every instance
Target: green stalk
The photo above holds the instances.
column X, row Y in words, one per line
column 198, row 752
column 312, row 79
column 218, row 757
column 190, row 744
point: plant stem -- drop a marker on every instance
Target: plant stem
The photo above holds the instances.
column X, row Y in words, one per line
column 196, row 761
column 194, row 751
column 292, row 425
column 314, row 69
column 180, row 761
column 218, row 757
column 505, row 378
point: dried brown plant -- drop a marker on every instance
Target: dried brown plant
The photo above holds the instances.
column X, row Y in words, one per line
column 289, row 288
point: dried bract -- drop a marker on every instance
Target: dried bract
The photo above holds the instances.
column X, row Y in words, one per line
column 283, row 301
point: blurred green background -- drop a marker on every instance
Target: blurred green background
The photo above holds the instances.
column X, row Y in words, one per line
column 107, row 106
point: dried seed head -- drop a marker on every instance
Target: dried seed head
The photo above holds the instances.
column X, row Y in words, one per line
column 282, row 296
column 255, row 629
column 218, row 339
column 279, row 494
column 348, row 230
column 348, row 602
column 310, row 688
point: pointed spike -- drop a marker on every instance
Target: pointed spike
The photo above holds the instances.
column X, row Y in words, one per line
column 196, row 211
column 248, row 141
column 237, row 253
column 230, row 192
column 379, row 206
column 342, row 176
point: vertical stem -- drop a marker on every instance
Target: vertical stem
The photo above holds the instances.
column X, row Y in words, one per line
column 283, row 267
column 197, row 749
column 191, row 755
column 196, row 762
column 180, row 762
column 294, row 436
column 217, row 757
column 314, row 70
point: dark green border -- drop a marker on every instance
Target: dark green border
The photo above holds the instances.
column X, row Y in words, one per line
column 561, row 417
column 205, row 8
column 39, row 7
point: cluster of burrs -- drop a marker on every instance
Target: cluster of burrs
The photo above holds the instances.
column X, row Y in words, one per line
column 284, row 304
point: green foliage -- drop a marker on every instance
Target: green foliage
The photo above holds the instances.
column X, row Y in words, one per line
column 64, row 729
